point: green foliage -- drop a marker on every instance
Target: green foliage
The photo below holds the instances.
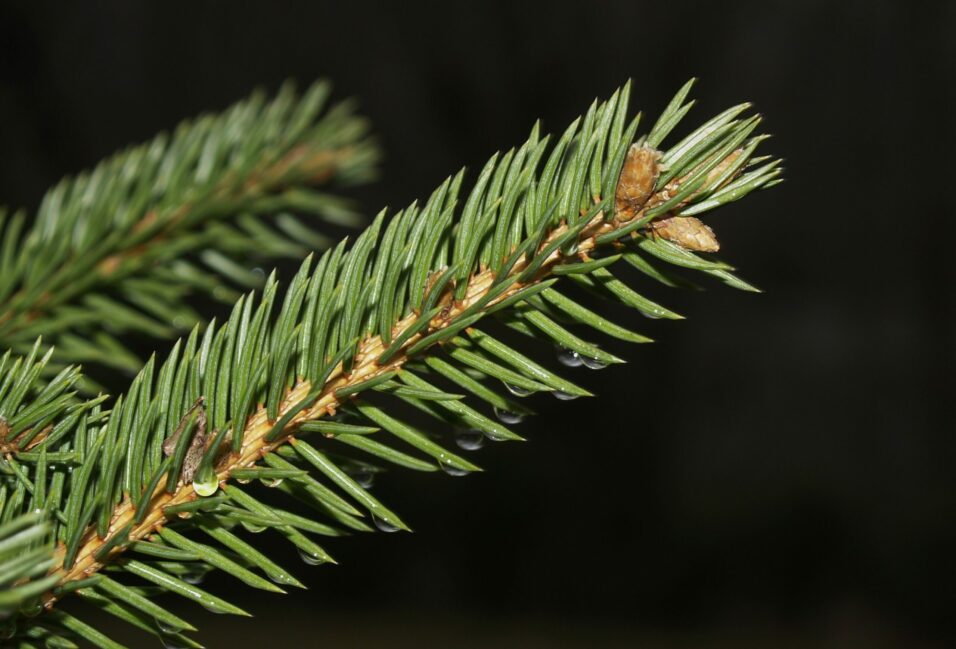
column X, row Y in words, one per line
column 119, row 250
column 26, row 555
column 360, row 337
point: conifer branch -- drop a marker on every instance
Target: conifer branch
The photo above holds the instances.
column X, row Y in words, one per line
column 358, row 332
column 259, row 437
column 126, row 243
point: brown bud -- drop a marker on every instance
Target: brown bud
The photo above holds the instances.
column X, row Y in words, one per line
column 637, row 181
column 687, row 232
column 721, row 169
column 444, row 300
column 712, row 177
column 197, row 448
column 197, row 445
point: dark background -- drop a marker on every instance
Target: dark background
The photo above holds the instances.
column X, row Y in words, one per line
column 777, row 470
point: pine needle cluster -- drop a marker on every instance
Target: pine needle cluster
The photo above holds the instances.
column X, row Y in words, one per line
column 280, row 416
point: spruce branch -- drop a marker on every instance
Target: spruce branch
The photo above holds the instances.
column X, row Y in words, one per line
column 126, row 244
column 157, row 488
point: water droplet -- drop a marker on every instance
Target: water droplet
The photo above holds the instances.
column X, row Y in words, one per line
column 311, row 558
column 452, row 470
column 497, row 437
column 363, row 477
column 384, row 525
column 258, row 272
column 469, row 439
column 165, row 627
column 252, row 527
column 517, row 390
column 194, row 577
column 653, row 314
column 241, row 481
column 8, row 630
column 507, row 417
column 185, row 514
column 593, row 363
column 564, row 396
column 569, row 357
column 31, row 608
column 208, row 486
column 272, row 483
column 279, row 578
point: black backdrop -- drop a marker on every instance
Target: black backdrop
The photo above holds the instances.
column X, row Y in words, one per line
column 775, row 470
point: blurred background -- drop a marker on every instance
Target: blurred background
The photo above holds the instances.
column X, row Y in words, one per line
column 776, row 470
